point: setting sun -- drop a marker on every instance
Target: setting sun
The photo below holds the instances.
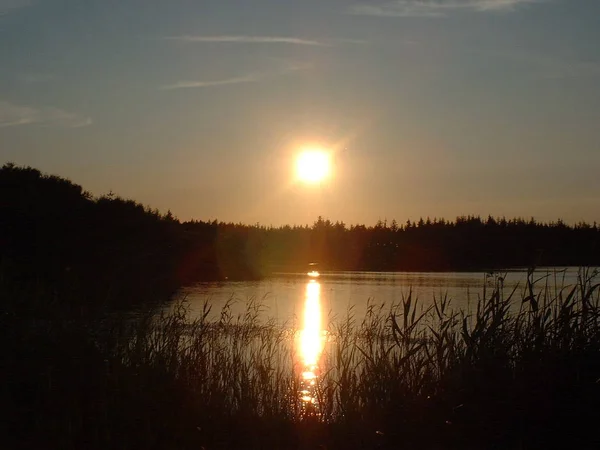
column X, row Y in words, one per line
column 312, row 166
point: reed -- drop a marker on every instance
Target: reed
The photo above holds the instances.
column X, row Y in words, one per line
column 519, row 370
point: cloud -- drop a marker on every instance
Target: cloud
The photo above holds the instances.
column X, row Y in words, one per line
column 202, row 84
column 14, row 115
column 247, row 39
column 289, row 67
column 7, row 6
column 436, row 8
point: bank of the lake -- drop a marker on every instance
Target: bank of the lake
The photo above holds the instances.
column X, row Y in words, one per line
column 93, row 355
column 402, row 375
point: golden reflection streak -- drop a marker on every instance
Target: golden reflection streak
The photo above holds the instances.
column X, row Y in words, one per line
column 311, row 336
column 311, row 342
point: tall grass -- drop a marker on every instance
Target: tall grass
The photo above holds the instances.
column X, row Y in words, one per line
column 520, row 370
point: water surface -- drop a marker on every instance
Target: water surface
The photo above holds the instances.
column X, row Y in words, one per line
column 283, row 295
column 306, row 302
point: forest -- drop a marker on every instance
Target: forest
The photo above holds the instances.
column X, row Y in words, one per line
column 56, row 233
column 90, row 359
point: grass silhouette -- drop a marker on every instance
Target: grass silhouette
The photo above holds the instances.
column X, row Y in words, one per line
column 519, row 370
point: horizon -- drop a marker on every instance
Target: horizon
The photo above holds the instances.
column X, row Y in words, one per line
column 265, row 224
column 426, row 109
column 385, row 221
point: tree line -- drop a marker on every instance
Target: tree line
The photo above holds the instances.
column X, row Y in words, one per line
column 55, row 234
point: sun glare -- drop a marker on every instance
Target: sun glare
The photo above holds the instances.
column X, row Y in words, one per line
column 311, row 337
column 312, row 166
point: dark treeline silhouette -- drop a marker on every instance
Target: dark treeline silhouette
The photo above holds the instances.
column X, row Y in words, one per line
column 468, row 243
column 56, row 237
column 78, row 370
column 109, row 248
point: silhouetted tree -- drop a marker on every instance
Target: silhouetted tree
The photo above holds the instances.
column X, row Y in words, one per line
column 109, row 250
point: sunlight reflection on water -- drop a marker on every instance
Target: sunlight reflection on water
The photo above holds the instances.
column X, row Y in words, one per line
column 282, row 295
column 311, row 340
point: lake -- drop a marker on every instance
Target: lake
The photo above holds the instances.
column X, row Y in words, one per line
column 283, row 295
column 307, row 302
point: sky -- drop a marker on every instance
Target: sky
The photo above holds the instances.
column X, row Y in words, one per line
column 429, row 107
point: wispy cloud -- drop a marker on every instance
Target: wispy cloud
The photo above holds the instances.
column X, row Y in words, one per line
column 15, row 115
column 248, row 78
column 202, row 84
column 435, row 8
column 7, row 6
column 240, row 39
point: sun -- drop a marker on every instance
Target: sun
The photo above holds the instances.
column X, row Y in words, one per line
column 313, row 166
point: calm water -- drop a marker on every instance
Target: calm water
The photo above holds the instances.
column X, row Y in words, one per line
column 306, row 301
column 283, row 295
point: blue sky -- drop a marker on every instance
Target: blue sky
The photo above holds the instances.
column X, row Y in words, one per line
column 433, row 108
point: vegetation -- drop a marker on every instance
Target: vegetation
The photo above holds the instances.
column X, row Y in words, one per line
column 514, row 373
column 87, row 362
column 92, row 253
column 55, row 233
